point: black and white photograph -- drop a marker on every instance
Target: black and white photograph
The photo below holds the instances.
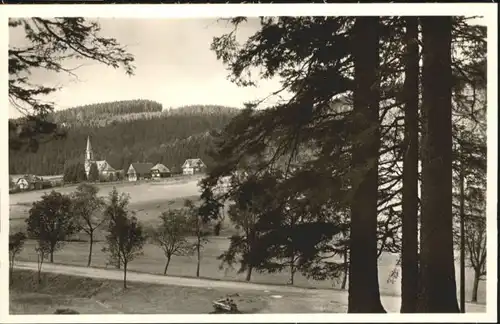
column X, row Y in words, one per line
column 249, row 162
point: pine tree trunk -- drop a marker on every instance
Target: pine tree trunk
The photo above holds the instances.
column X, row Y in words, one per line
column 462, row 235
column 124, row 274
column 90, row 249
column 364, row 295
column 409, row 253
column 346, row 271
column 166, row 265
column 437, row 268
column 475, row 287
column 249, row 274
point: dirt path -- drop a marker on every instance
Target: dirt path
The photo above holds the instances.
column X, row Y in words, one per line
column 318, row 299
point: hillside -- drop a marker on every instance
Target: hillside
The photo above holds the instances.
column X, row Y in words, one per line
column 127, row 131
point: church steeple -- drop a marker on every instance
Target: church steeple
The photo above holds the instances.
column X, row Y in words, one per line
column 89, row 155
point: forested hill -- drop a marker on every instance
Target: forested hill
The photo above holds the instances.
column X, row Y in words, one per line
column 127, row 131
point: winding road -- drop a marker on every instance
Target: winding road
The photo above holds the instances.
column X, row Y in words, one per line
column 317, row 296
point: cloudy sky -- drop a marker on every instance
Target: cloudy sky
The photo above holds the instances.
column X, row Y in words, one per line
column 174, row 66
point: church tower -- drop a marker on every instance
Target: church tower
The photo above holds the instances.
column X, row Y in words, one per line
column 89, row 156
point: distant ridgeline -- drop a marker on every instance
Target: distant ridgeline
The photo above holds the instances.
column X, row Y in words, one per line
column 123, row 132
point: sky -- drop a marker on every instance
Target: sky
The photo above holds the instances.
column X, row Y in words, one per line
column 174, row 66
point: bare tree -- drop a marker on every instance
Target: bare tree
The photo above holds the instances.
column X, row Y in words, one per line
column 42, row 250
column 87, row 207
column 198, row 229
column 16, row 244
column 126, row 235
column 171, row 235
column 51, row 221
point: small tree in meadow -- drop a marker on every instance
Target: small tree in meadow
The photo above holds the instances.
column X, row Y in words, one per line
column 51, row 222
column 87, row 208
column 198, row 229
column 16, row 244
column 171, row 235
column 42, row 249
column 126, row 236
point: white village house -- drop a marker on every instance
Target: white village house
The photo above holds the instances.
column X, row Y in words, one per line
column 29, row 182
column 192, row 166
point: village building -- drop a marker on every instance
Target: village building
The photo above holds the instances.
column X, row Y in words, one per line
column 139, row 171
column 29, row 182
column 193, row 166
column 160, row 171
column 103, row 167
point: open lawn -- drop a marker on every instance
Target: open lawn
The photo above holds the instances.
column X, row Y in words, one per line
column 93, row 296
column 153, row 261
column 149, row 200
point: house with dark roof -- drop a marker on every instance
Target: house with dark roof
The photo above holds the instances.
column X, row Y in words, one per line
column 192, row 166
column 30, row 182
column 160, row 171
column 138, row 171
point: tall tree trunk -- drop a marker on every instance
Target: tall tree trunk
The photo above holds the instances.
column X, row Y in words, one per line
column 125, row 274
column 52, row 255
column 437, row 269
column 166, row 265
column 249, row 273
column 364, row 295
column 40, row 263
column 346, row 271
column 292, row 273
column 11, row 269
column 118, row 261
column 199, row 257
column 475, row 287
column 89, row 261
column 409, row 253
column 462, row 235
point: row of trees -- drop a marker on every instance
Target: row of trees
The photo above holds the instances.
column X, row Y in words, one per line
column 372, row 99
column 56, row 217
column 88, row 114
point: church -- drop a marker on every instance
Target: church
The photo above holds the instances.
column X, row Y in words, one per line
column 105, row 170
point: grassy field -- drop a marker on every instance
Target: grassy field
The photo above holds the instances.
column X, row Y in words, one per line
column 149, row 200
column 90, row 296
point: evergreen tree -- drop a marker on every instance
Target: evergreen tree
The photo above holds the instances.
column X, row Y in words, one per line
column 364, row 295
column 81, row 175
column 93, row 172
column 437, row 271
column 409, row 252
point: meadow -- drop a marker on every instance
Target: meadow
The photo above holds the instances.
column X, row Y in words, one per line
column 94, row 296
column 149, row 199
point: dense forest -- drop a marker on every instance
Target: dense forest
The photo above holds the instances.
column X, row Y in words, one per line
column 142, row 132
